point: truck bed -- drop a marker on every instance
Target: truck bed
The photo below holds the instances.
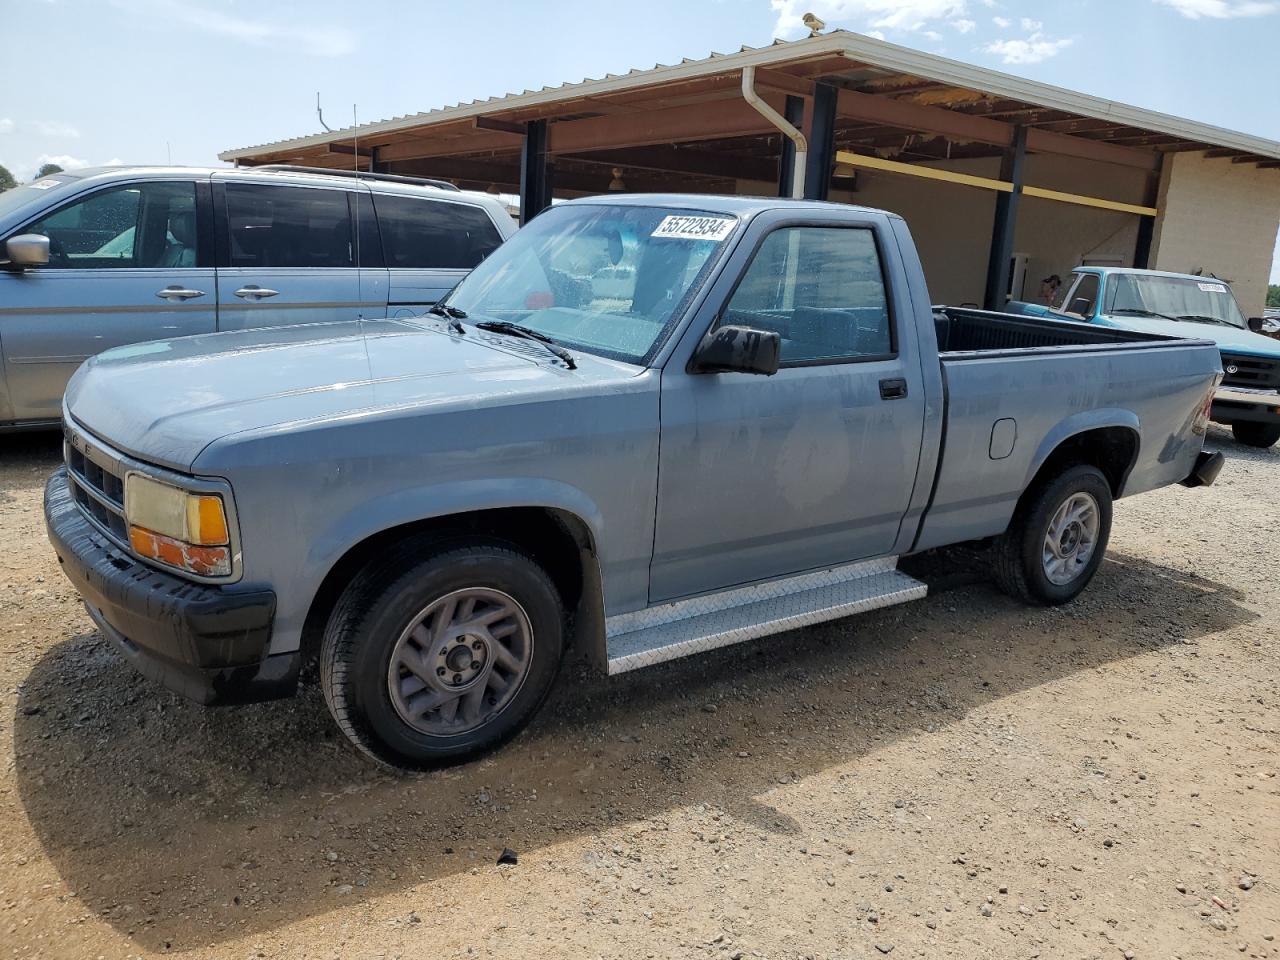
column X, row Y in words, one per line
column 1015, row 387
column 964, row 330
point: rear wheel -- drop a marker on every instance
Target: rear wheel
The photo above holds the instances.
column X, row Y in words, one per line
column 440, row 653
column 1057, row 538
column 1256, row 434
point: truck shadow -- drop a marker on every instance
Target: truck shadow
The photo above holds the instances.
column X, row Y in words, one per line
column 184, row 827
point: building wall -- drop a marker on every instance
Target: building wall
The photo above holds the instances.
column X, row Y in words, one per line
column 952, row 224
column 1221, row 218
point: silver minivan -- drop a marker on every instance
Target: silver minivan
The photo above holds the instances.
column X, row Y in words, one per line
column 92, row 259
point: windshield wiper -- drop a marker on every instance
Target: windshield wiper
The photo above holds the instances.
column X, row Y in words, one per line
column 451, row 314
column 516, row 330
column 1140, row 312
column 1201, row 318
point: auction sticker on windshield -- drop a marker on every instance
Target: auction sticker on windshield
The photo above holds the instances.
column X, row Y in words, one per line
column 694, row 228
column 1212, row 287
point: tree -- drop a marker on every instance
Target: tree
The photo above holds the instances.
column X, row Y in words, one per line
column 48, row 170
column 6, row 180
column 1273, row 292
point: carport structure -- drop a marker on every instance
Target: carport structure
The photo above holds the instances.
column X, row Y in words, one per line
column 1003, row 180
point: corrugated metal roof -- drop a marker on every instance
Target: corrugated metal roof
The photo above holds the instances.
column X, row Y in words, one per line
column 858, row 49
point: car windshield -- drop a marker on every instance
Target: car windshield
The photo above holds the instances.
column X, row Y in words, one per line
column 607, row 279
column 1194, row 300
column 18, row 197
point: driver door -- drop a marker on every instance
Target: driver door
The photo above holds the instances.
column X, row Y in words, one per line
column 127, row 263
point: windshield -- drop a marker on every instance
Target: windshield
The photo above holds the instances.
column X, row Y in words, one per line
column 1174, row 298
column 605, row 279
column 19, row 197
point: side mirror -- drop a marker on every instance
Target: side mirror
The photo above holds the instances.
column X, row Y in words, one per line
column 27, row 250
column 732, row 349
column 1257, row 324
column 1081, row 306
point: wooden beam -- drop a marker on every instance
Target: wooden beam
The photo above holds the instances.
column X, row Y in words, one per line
column 870, row 108
column 1090, row 201
column 928, row 173
column 1248, row 158
column 505, row 126
column 349, row 150
column 1217, row 154
column 962, row 126
column 777, row 80
column 675, row 159
column 733, row 118
column 425, row 145
column 986, row 183
column 1046, row 141
column 1269, row 164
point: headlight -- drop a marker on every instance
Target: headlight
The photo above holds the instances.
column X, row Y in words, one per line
column 184, row 530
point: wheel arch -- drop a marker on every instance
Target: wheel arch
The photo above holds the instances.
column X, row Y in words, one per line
column 1107, row 439
column 561, row 533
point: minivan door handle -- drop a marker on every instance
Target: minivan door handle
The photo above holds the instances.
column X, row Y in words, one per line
column 894, row 389
column 251, row 291
column 176, row 292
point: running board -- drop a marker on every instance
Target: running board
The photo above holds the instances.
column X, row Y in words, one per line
column 686, row 627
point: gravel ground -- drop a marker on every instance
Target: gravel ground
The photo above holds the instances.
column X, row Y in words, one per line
column 960, row 777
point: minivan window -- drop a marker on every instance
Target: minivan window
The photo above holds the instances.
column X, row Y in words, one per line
column 433, row 234
column 285, row 226
column 132, row 225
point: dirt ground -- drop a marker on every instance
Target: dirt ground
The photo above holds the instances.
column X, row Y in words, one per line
column 960, row 777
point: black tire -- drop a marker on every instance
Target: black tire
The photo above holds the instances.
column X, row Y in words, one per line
column 381, row 604
column 1254, row 434
column 1018, row 554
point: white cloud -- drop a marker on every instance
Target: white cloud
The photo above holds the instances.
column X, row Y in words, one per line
column 905, row 15
column 6, row 125
column 316, row 40
column 933, row 35
column 1221, row 9
column 1033, row 49
column 875, row 34
column 964, row 26
column 1031, row 26
column 1004, row 23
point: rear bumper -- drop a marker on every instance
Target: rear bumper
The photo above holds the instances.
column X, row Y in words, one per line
column 1208, row 466
column 203, row 642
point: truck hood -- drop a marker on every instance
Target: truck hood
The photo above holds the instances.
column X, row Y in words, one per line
column 1227, row 338
column 166, row 400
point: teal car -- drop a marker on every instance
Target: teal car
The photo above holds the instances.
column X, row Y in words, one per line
column 1176, row 304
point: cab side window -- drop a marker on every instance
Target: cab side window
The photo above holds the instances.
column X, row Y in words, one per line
column 822, row 289
column 285, row 226
column 433, row 234
column 134, row 225
column 1084, row 297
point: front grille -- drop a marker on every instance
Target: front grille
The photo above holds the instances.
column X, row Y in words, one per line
column 1257, row 372
column 97, row 486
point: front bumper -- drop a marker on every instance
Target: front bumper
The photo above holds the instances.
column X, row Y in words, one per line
column 1233, row 405
column 204, row 642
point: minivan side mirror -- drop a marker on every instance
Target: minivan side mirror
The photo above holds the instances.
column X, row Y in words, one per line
column 735, row 349
column 1256, row 324
column 27, row 250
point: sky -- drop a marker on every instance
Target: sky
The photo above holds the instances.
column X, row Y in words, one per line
column 156, row 81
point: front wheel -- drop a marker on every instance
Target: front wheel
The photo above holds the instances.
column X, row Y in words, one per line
column 1254, row 434
column 1057, row 538
column 436, row 654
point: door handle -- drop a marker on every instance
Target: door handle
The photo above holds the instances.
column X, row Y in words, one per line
column 894, row 389
column 251, row 291
column 175, row 292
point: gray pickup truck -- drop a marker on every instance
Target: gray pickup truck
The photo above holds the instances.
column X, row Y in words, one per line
column 650, row 424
